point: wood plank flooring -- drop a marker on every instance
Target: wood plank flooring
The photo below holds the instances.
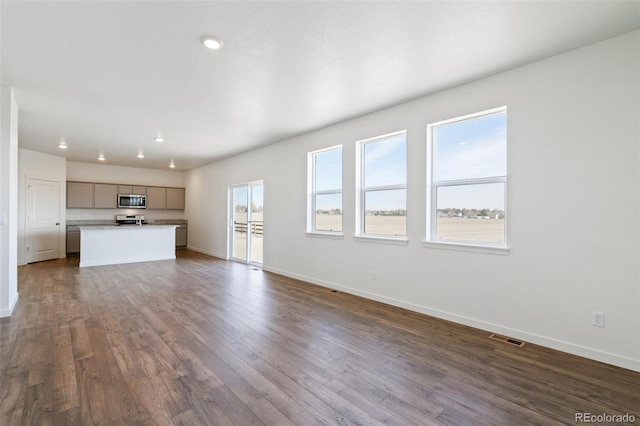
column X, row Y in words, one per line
column 201, row 341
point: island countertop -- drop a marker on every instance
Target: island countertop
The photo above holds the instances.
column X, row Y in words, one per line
column 117, row 226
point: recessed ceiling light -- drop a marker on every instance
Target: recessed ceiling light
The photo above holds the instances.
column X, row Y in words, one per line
column 173, row 166
column 211, row 42
column 140, row 155
column 62, row 145
column 101, row 157
column 159, row 139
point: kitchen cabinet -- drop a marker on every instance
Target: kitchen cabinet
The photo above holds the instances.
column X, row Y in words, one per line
column 73, row 239
column 79, row 195
column 105, row 196
column 181, row 235
column 87, row 195
column 132, row 189
column 175, row 198
column 156, row 197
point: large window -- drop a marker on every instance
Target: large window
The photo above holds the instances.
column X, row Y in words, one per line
column 383, row 186
column 325, row 195
column 468, row 180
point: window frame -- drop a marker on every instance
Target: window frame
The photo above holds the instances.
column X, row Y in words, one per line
column 432, row 239
column 311, row 189
column 362, row 190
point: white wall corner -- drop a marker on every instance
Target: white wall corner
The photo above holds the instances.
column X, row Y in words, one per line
column 7, row 312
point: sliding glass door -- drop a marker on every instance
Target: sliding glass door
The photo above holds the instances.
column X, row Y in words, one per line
column 246, row 222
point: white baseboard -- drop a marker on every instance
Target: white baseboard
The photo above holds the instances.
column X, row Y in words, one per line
column 7, row 312
column 585, row 352
column 120, row 261
column 208, row 253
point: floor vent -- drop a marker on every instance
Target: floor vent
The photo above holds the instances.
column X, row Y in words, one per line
column 508, row 340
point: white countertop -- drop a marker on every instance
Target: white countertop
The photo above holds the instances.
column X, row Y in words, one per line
column 148, row 225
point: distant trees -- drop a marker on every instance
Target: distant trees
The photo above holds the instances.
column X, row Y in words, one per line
column 255, row 208
column 396, row 212
column 448, row 212
column 472, row 213
column 331, row 212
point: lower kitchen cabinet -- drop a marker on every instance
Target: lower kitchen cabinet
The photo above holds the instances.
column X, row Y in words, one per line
column 73, row 239
column 181, row 236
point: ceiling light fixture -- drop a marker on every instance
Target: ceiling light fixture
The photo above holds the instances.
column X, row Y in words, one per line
column 211, row 42
column 140, row 155
column 62, row 145
column 101, row 157
column 173, row 166
column 159, row 139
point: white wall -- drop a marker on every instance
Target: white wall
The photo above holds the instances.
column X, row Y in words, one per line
column 36, row 165
column 573, row 205
column 105, row 173
column 8, row 201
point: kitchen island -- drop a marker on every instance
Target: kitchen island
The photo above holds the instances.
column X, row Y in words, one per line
column 109, row 245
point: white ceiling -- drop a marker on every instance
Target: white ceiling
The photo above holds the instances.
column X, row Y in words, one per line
column 108, row 76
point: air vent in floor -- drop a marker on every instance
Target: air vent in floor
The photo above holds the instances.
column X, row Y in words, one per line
column 505, row 339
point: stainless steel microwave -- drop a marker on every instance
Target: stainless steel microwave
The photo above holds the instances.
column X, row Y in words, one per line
column 132, row 201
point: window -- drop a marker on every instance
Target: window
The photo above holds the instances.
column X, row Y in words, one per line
column 468, row 181
column 325, row 184
column 382, row 204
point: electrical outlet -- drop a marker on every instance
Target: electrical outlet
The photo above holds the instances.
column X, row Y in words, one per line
column 597, row 319
column 375, row 275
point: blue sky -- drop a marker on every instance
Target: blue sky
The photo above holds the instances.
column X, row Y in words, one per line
column 385, row 162
column 329, row 170
column 240, row 195
column 472, row 149
column 469, row 149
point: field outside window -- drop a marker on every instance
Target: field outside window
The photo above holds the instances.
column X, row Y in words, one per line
column 468, row 182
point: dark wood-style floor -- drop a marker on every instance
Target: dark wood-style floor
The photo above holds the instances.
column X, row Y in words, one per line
column 204, row 341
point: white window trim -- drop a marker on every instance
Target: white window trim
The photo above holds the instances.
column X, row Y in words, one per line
column 474, row 248
column 361, row 191
column 463, row 245
column 382, row 239
column 311, row 197
column 326, row 234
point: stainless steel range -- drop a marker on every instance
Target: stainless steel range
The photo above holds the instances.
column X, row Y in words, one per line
column 134, row 219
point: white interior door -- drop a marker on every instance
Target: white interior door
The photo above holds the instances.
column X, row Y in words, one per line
column 43, row 220
column 247, row 226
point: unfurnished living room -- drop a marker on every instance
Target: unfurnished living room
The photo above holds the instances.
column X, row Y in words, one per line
column 319, row 212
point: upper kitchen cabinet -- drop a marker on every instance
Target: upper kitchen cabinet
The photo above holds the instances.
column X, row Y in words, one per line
column 79, row 195
column 86, row 195
column 175, row 198
column 106, row 196
column 130, row 189
column 156, row 197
